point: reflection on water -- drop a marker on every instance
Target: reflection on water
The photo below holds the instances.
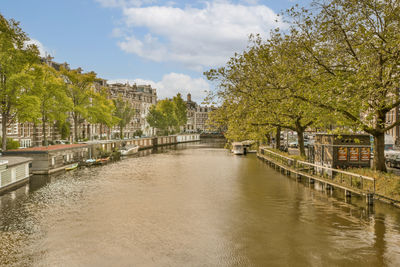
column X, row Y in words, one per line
column 192, row 204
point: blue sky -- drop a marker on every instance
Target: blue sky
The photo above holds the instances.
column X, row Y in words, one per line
column 164, row 43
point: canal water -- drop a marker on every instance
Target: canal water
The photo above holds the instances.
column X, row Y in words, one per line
column 192, row 205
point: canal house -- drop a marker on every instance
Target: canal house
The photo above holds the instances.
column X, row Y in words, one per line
column 14, row 171
column 50, row 159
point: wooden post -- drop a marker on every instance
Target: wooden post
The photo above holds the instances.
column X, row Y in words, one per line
column 370, row 199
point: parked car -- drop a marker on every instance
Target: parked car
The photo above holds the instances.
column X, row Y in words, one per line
column 61, row 142
column 293, row 144
column 308, row 143
column 393, row 160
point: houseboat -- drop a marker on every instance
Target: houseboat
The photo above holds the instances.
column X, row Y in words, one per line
column 238, row 148
column 14, row 171
column 50, row 159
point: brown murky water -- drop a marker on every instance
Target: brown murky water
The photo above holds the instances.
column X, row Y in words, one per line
column 197, row 205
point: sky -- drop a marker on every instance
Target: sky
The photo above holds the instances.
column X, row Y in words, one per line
column 168, row 44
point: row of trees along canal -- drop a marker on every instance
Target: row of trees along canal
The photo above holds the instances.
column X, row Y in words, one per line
column 32, row 91
column 335, row 64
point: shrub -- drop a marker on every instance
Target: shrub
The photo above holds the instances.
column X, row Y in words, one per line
column 11, row 143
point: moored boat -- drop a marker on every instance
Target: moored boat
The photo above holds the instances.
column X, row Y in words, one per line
column 102, row 161
column 129, row 150
column 71, row 167
column 238, row 148
column 88, row 162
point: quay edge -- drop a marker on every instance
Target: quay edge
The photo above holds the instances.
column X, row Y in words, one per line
column 52, row 159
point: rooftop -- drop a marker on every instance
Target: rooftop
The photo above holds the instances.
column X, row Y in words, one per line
column 10, row 161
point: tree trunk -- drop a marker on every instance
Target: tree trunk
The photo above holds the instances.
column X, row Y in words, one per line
column 300, row 140
column 89, row 132
column 4, row 131
column 268, row 136
column 53, row 132
column 101, row 131
column 44, row 131
column 35, row 135
column 75, row 128
column 121, row 129
column 278, row 138
column 379, row 152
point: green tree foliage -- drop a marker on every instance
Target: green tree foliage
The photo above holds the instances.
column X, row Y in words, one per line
column 336, row 66
column 180, row 110
column 80, row 90
column 354, row 50
column 102, row 109
column 49, row 87
column 259, row 88
column 123, row 113
column 225, row 119
column 167, row 109
column 11, row 143
column 15, row 60
column 168, row 115
column 64, row 127
column 156, row 119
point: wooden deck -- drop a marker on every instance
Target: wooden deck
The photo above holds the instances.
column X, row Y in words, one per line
column 327, row 183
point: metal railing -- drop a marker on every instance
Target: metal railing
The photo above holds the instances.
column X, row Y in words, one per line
column 344, row 178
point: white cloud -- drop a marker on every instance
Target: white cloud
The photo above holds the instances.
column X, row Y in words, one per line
column 174, row 83
column 250, row 2
column 142, row 47
column 42, row 49
column 196, row 37
column 125, row 3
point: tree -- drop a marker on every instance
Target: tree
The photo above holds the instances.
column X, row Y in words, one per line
column 15, row 61
column 124, row 113
column 180, row 110
column 167, row 109
column 354, row 48
column 156, row 119
column 50, row 89
column 64, row 127
column 225, row 119
column 102, row 109
column 168, row 115
column 80, row 91
column 259, row 87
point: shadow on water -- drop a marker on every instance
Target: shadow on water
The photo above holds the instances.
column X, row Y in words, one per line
column 374, row 229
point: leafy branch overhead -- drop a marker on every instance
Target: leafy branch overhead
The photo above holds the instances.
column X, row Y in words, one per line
column 335, row 67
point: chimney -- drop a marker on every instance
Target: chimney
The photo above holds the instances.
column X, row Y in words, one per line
column 189, row 98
